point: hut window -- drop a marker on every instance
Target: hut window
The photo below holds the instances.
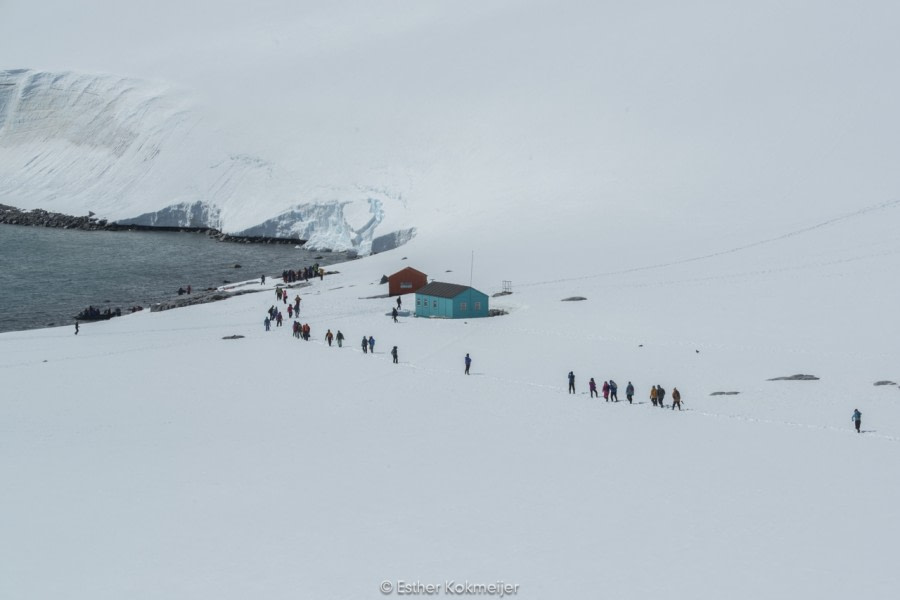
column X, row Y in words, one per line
column 405, row 285
column 477, row 306
column 434, row 303
column 462, row 306
column 418, row 302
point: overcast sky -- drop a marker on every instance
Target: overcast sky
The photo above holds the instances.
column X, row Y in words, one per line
column 704, row 103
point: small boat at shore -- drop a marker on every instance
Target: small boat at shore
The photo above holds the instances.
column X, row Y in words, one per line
column 95, row 314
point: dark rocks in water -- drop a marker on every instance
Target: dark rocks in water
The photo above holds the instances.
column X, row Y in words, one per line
column 237, row 266
column 39, row 217
column 404, row 258
column 724, row 393
column 798, row 377
column 232, row 337
column 885, row 382
column 319, row 257
column 225, row 281
column 448, row 271
column 384, row 279
column 574, row 299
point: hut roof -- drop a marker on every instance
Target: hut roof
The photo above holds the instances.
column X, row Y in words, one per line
column 443, row 290
column 404, row 269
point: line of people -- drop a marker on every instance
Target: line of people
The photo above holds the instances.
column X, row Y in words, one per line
column 292, row 307
column 304, row 274
column 610, row 391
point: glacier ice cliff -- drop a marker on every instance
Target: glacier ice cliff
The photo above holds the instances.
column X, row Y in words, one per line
column 186, row 214
column 326, row 226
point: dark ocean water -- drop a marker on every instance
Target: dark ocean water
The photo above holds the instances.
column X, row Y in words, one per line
column 47, row 276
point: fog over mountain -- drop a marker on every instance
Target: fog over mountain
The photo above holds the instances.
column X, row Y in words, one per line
column 355, row 120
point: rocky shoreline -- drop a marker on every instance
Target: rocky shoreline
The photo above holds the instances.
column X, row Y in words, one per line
column 38, row 217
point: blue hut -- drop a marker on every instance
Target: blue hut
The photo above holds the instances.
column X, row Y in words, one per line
column 450, row 301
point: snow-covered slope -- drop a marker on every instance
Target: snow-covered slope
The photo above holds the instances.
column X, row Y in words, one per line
column 135, row 152
column 148, row 456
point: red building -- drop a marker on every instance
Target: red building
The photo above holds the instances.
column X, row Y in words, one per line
column 406, row 281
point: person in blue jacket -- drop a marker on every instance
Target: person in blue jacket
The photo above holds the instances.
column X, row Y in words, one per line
column 857, row 419
column 468, row 360
column 372, row 344
column 571, row 382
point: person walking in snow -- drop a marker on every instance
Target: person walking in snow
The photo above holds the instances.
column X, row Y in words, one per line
column 262, row 280
column 267, row 323
column 592, row 385
column 613, row 391
column 371, row 344
column 857, row 419
column 394, row 314
column 467, row 360
column 328, row 337
column 605, row 390
column 571, row 382
column 660, row 395
column 76, row 331
column 340, row 339
column 398, row 302
column 676, row 399
column 290, row 311
column 365, row 345
column 653, row 395
column 394, row 354
column 297, row 304
column 629, row 392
